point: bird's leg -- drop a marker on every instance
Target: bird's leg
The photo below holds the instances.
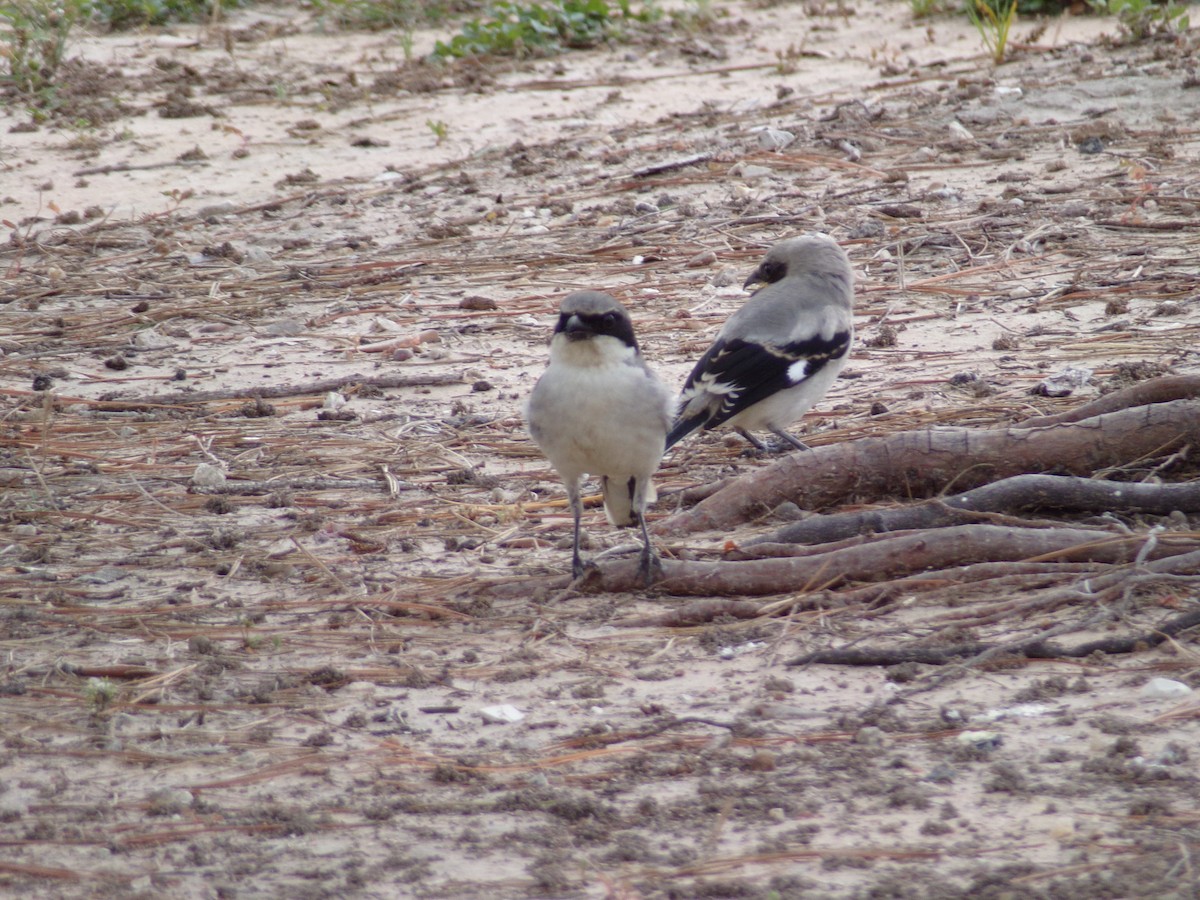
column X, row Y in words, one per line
column 577, row 511
column 758, row 445
column 650, row 566
column 795, row 442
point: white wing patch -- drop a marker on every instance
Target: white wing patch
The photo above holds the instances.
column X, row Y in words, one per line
column 798, row 371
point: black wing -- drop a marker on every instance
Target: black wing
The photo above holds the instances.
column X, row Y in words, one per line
column 743, row 373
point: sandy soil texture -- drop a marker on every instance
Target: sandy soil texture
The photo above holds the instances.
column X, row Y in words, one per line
column 283, row 601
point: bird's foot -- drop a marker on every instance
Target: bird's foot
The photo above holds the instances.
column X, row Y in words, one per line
column 786, row 443
column 581, row 569
column 650, row 568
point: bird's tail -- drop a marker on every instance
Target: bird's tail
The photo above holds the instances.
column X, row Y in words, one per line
column 683, row 427
column 620, row 500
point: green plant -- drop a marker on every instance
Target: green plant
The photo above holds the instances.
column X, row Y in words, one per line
column 520, row 29
column 922, row 9
column 699, row 14
column 1144, row 19
column 120, row 14
column 380, row 15
column 439, row 128
column 33, row 43
column 34, row 36
column 993, row 19
column 99, row 693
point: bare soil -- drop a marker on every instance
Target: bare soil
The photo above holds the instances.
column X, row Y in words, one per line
column 274, row 543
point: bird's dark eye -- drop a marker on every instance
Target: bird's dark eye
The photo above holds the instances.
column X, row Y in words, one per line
column 607, row 323
column 773, row 271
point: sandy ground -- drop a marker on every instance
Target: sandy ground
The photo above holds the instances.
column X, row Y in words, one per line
column 277, row 555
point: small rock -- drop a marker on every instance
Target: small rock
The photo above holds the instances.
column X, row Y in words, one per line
column 505, row 714
column 946, row 193
column 960, row 131
column 787, row 511
column 285, row 328
column 749, row 171
column 940, row 774
column 1165, row 689
column 761, row 761
column 704, row 258
column 151, row 339
column 223, row 208
column 774, row 139
column 208, row 476
column 870, row 736
column 981, row 740
column 103, row 575
column 902, row 211
column 1064, row 383
column 475, row 302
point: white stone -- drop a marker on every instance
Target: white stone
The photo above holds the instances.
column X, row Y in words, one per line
column 208, row 476
column 504, row 714
column 1165, row 689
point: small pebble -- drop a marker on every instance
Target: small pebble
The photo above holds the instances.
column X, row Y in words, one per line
column 208, row 476
column 870, row 736
column 981, row 740
column 1165, row 689
column 749, row 171
column 505, row 714
column 774, row 138
column 475, row 302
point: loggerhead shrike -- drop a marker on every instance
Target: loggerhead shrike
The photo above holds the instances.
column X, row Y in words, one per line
column 777, row 355
column 598, row 409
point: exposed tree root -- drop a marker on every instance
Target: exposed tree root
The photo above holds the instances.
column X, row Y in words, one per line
column 1033, row 648
column 930, row 461
column 1010, row 495
column 1156, row 390
column 892, row 556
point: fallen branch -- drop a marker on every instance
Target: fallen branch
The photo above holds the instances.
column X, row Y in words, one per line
column 1020, row 493
column 1033, row 648
column 928, row 461
column 1156, row 390
column 258, row 488
column 382, row 382
column 701, row 612
column 884, row 557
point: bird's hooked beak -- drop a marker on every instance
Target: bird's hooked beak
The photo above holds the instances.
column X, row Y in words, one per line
column 755, row 281
column 769, row 271
column 577, row 329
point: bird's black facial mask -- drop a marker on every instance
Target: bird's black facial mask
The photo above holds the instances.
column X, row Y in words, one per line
column 575, row 328
column 581, row 326
column 769, row 272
